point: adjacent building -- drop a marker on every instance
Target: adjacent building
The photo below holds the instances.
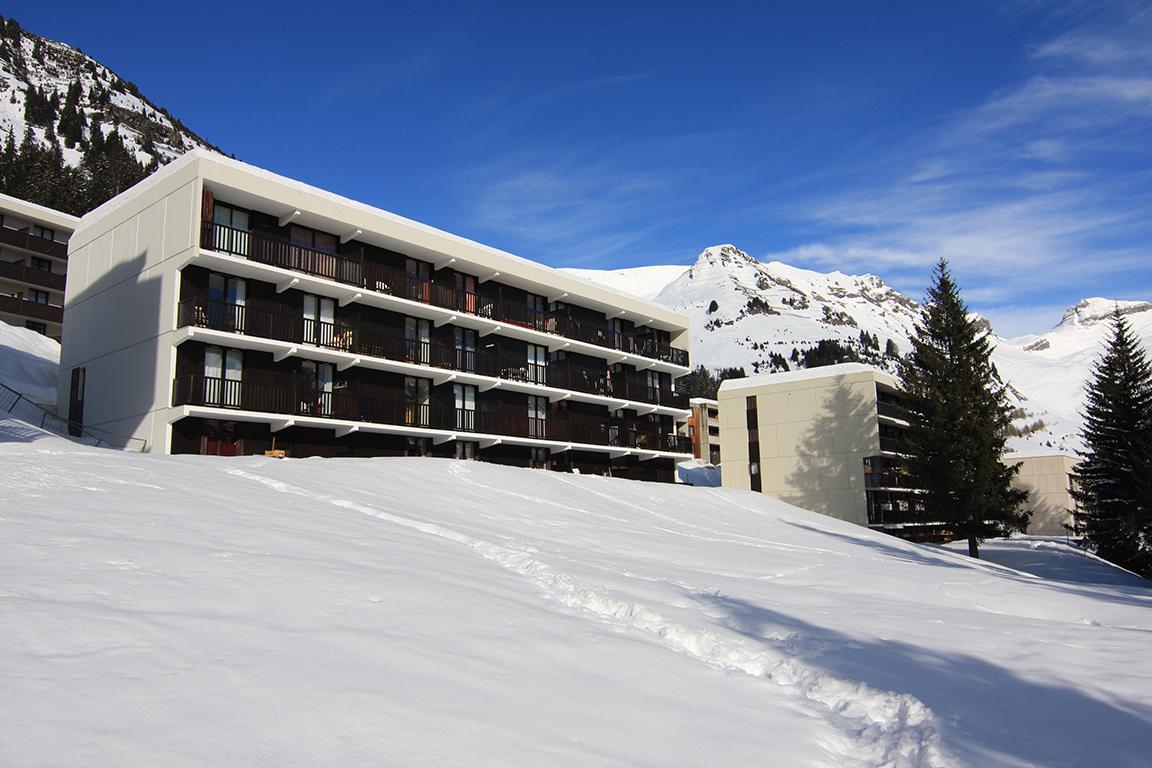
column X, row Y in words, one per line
column 218, row 308
column 33, row 265
column 825, row 439
column 704, row 429
column 1048, row 479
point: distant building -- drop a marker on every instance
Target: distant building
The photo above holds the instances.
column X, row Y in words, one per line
column 218, row 308
column 33, row 265
column 1048, row 479
column 704, row 429
column 825, row 439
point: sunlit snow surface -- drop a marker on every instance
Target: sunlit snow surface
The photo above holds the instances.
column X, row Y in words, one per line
column 205, row 611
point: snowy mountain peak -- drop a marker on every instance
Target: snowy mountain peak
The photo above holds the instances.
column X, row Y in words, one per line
column 1095, row 310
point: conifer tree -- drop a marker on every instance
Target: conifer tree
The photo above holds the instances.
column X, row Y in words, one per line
column 959, row 414
column 1113, row 483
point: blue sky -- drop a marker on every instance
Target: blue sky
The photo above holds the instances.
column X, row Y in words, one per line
column 1014, row 138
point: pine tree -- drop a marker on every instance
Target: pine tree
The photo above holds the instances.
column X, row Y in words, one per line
column 959, row 413
column 1113, row 483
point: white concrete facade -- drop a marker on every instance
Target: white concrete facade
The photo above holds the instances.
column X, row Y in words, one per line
column 124, row 287
column 815, row 429
column 1048, row 480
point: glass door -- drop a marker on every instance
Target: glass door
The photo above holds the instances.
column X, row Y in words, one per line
column 417, row 340
column 537, row 416
column 537, row 364
column 417, row 393
column 226, row 299
column 319, row 320
column 465, row 397
column 465, row 349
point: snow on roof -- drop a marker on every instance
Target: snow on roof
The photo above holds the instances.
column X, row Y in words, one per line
column 51, row 215
column 703, row 401
column 201, row 154
column 804, row 374
column 1039, row 453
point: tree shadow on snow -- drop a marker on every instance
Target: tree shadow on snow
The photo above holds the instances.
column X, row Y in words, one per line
column 986, row 714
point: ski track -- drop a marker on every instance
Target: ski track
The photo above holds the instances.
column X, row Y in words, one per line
column 877, row 728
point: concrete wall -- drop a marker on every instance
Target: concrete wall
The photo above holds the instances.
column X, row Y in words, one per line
column 814, row 434
column 1047, row 482
column 121, row 310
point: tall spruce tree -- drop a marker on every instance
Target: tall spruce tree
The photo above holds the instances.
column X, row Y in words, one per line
column 1114, row 479
column 959, row 413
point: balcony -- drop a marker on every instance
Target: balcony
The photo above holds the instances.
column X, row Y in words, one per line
column 292, row 400
column 293, row 328
column 282, row 253
column 49, row 313
column 24, row 239
column 22, row 273
column 891, row 410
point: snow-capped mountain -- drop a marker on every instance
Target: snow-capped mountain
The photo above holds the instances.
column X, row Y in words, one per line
column 743, row 310
column 65, row 97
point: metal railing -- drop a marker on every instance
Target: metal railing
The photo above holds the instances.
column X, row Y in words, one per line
column 16, row 405
column 297, row 400
column 23, row 238
column 292, row 327
column 281, row 252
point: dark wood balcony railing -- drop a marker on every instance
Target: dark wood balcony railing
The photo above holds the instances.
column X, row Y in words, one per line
column 296, row 329
column 44, row 312
column 22, row 273
column 280, row 252
column 299, row 401
column 23, row 238
column 891, row 410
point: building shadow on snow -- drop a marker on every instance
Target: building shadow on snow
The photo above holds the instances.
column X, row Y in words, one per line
column 986, row 713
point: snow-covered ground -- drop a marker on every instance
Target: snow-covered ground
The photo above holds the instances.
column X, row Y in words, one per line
column 29, row 362
column 191, row 611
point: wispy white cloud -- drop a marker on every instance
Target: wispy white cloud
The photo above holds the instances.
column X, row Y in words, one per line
column 1043, row 187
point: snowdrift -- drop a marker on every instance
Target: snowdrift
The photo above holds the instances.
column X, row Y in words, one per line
column 29, row 362
column 187, row 611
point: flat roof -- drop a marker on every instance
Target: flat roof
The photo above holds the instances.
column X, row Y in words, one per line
column 806, row 374
column 41, row 214
column 383, row 228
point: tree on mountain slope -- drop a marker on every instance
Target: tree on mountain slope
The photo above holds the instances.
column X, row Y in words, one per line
column 959, row 413
column 1113, row 483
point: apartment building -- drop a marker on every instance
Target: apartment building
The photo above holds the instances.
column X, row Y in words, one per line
column 218, row 308
column 704, row 429
column 825, row 439
column 1048, row 478
column 33, row 265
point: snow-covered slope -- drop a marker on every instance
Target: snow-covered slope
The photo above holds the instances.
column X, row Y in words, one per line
column 107, row 101
column 743, row 310
column 644, row 282
column 28, row 363
column 190, row 611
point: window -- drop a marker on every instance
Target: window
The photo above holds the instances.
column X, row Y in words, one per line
column 418, row 446
column 537, row 369
column 466, row 292
column 319, row 321
column 464, row 396
column 419, row 280
column 43, row 232
column 537, row 416
column 41, row 328
column 537, row 311
column 540, row 458
column 417, row 392
column 230, row 228
column 226, row 299
column 76, row 402
column 465, row 341
column 43, row 265
column 417, row 340
column 37, row 297
column 467, row 449
column 310, row 238
column 316, row 388
column 223, row 376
